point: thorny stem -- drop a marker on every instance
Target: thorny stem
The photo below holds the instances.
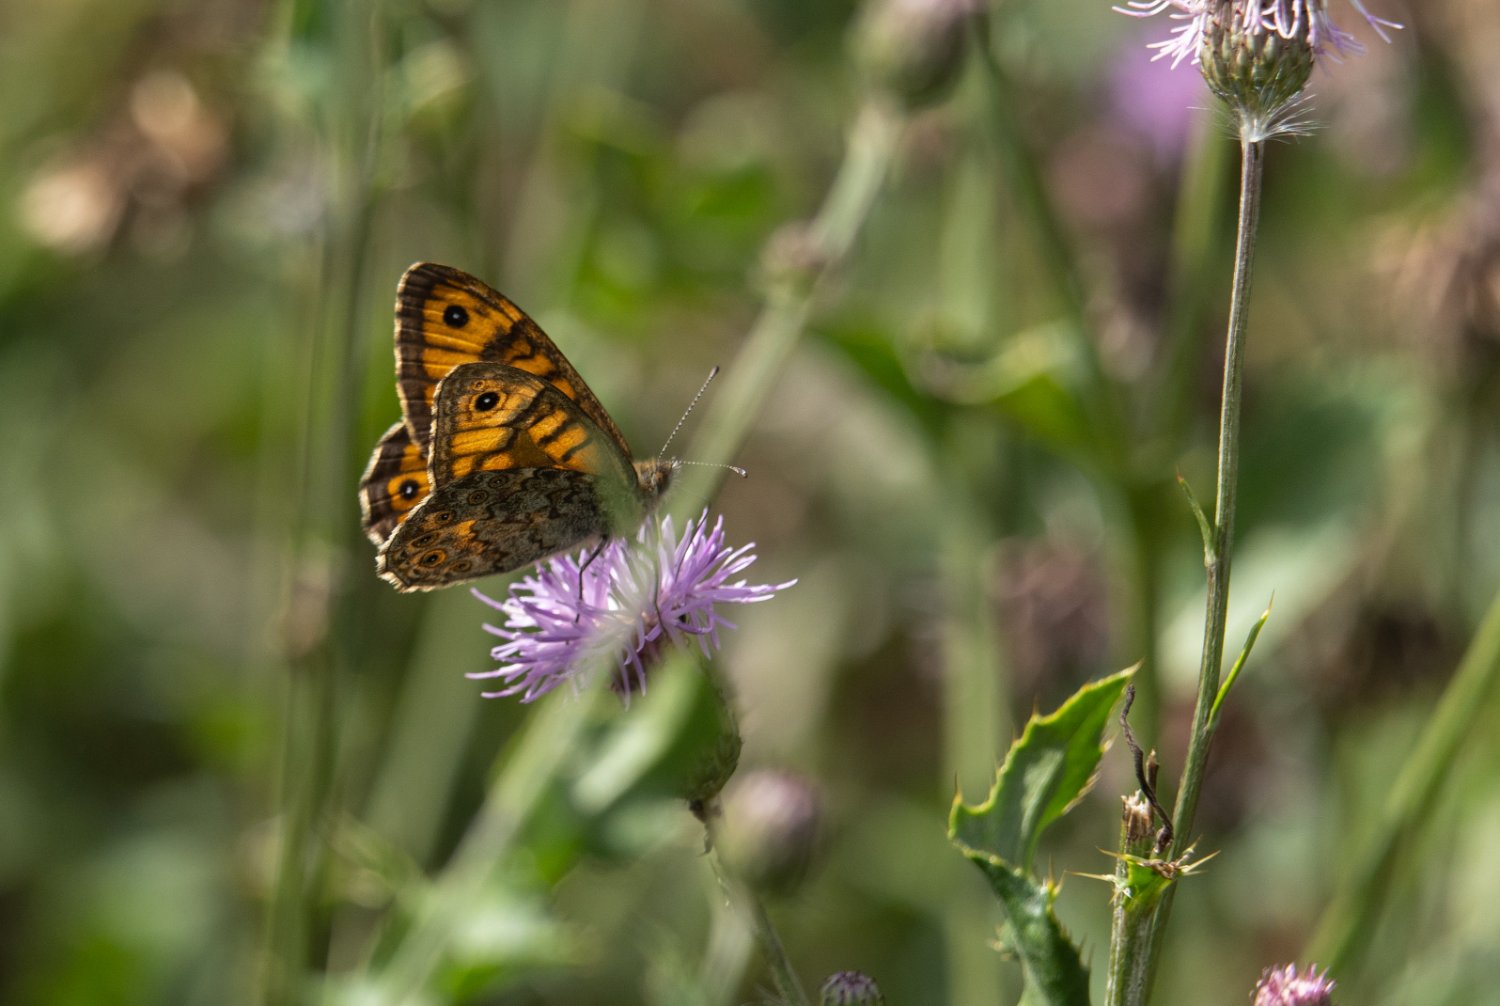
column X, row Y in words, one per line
column 1216, row 561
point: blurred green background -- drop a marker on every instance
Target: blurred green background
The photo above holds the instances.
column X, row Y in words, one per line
column 206, row 208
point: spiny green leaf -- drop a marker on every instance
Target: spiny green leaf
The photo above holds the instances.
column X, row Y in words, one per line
column 1055, row 975
column 1046, row 770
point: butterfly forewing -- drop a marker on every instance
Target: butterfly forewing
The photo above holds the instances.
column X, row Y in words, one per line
column 446, row 318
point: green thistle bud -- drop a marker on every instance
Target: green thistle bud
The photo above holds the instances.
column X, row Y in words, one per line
column 914, row 48
column 770, row 830
column 1257, row 71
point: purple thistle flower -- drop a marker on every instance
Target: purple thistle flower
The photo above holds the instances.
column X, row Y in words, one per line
column 1290, row 19
column 627, row 601
column 1283, row 986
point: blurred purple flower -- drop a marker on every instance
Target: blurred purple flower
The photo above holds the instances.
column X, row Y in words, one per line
column 1301, row 19
column 630, row 600
column 1154, row 102
column 1284, row 987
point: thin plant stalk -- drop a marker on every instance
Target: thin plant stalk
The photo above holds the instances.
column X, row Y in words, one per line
column 550, row 735
column 1137, row 944
column 1114, row 459
column 871, row 150
column 1347, row 924
column 1218, row 555
column 780, row 965
column 319, row 651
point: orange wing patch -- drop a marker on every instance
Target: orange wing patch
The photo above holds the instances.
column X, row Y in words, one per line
column 394, row 482
column 446, row 318
column 496, row 418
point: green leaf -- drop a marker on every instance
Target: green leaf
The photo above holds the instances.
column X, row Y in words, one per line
column 1047, row 769
column 1205, row 529
column 1034, row 379
column 1054, row 971
column 1239, row 665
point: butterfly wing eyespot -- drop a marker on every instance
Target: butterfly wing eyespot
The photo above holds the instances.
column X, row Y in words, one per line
column 394, row 483
column 495, row 418
column 528, row 515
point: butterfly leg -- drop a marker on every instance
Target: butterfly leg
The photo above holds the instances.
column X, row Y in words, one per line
column 594, row 553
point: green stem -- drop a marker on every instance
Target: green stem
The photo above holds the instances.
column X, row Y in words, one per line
column 1101, row 396
column 550, row 735
column 787, row 985
column 829, row 237
column 1344, row 931
column 321, row 647
column 1129, row 976
column 1143, row 943
column 1251, row 170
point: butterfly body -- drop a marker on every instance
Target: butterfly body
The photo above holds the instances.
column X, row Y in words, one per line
column 504, row 456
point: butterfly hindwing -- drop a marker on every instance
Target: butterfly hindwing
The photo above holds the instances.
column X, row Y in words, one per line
column 394, row 482
column 446, row 318
column 492, row 522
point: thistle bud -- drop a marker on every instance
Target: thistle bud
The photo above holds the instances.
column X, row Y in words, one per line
column 770, row 829
column 850, row 988
column 914, row 48
column 1256, row 69
column 1255, row 54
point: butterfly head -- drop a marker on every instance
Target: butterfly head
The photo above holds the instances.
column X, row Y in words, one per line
column 655, row 475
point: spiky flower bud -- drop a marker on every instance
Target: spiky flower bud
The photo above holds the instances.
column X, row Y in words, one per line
column 1137, row 833
column 850, row 988
column 1256, row 55
column 1252, row 67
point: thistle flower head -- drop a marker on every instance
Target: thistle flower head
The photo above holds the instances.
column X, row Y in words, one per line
column 1256, row 55
column 625, row 601
column 1283, row 986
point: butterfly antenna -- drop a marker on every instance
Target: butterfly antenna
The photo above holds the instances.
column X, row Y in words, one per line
column 689, row 411
column 712, row 464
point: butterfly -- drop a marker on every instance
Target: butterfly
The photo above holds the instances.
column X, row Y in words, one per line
column 503, row 456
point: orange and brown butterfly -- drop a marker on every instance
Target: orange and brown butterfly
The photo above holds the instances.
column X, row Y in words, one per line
column 504, row 456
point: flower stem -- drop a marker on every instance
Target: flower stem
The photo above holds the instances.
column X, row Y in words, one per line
column 531, row 766
column 872, row 147
column 742, row 897
column 1252, row 167
column 1142, row 943
column 787, row 985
